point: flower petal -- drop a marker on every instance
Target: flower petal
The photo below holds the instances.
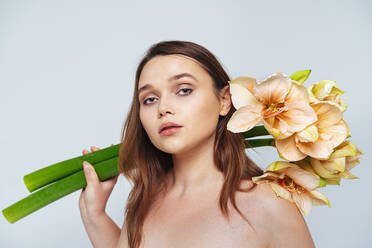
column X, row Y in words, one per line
column 348, row 175
column 318, row 198
column 303, row 202
column 336, row 133
column 306, row 179
column 323, row 88
column 288, row 149
column 297, row 93
column 327, row 114
column 279, row 165
column 303, row 178
column 247, row 82
column 273, row 89
column 346, row 148
column 321, row 170
column 342, row 106
column 267, row 177
column 312, row 97
column 281, row 192
column 351, row 162
column 278, row 129
column 298, row 116
column 241, row 96
column 333, row 181
column 320, row 149
column 309, row 134
column 334, row 165
column 305, row 164
column 244, row 119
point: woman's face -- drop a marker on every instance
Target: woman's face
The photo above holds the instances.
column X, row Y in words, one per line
column 187, row 101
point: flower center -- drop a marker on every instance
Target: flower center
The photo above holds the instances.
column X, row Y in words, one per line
column 274, row 109
column 291, row 186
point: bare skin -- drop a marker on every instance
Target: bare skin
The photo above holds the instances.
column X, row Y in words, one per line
column 101, row 229
column 198, row 222
column 188, row 214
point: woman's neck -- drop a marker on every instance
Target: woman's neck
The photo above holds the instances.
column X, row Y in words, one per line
column 194, row 171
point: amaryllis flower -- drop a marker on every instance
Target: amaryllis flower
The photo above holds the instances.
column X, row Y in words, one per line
column 280, row 103
column 318, row 139
column 326, row 90
column 338, row 166
column 289, row 181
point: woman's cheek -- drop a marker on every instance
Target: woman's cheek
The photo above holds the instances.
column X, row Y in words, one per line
column 203, row 114
column 146, row 123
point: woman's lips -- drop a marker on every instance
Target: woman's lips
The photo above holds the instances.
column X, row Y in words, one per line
column 169, row 131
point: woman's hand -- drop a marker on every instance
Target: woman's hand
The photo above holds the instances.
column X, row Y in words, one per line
column 94, row 196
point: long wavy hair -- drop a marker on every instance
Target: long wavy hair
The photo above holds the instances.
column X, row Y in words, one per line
column 146, row 167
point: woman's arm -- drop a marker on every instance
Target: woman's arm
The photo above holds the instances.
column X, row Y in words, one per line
column 102, row 231
column 123, row 240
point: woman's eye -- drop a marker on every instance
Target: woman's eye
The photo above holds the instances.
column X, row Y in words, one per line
column 145, row 101
column 187, row 90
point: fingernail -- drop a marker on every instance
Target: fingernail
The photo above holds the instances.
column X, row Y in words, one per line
column 86, row 165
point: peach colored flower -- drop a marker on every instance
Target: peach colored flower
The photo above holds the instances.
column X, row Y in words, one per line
column 280, row 103
column 326, row 90
column 338, row 166
column 289, row 181
column 318, row 139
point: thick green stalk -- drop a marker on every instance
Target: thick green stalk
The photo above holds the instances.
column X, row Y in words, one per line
column 251, row 143
column 76, row 180
column 57, row 190
column 256, row 131
column 54, row 172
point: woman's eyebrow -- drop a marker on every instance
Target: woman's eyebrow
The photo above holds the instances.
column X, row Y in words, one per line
column 173, row 78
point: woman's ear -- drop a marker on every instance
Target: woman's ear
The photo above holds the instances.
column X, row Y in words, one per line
column 225, row 100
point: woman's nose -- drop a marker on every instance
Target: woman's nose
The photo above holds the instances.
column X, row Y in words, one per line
column 164, row 108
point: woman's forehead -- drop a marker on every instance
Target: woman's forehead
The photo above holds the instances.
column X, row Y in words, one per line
column 166, row 66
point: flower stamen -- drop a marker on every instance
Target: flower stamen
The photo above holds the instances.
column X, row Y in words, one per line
column 274, row 109
column 291, row 186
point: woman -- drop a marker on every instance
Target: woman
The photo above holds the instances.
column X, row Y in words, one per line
column 191, row 183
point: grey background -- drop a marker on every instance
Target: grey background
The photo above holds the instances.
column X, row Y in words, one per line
column 67, row 74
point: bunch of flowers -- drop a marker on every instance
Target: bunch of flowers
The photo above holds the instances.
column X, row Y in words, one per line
column 308, row 131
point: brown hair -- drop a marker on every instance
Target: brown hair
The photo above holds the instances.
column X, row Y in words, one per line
column 146, row 166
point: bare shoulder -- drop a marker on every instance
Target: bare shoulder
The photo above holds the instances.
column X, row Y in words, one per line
column 283, row 221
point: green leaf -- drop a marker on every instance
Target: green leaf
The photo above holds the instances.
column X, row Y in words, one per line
column 322, row 182
column 300, row 76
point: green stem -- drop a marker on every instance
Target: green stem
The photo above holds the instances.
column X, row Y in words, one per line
column 256, row 131
column 71, row 177
column 251, row 143
column 57, row 190
column 54, row 172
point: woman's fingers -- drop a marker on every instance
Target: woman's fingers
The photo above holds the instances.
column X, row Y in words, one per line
column 94, row 148
column 110, row 183
column 90, row 174
column 89, row 171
